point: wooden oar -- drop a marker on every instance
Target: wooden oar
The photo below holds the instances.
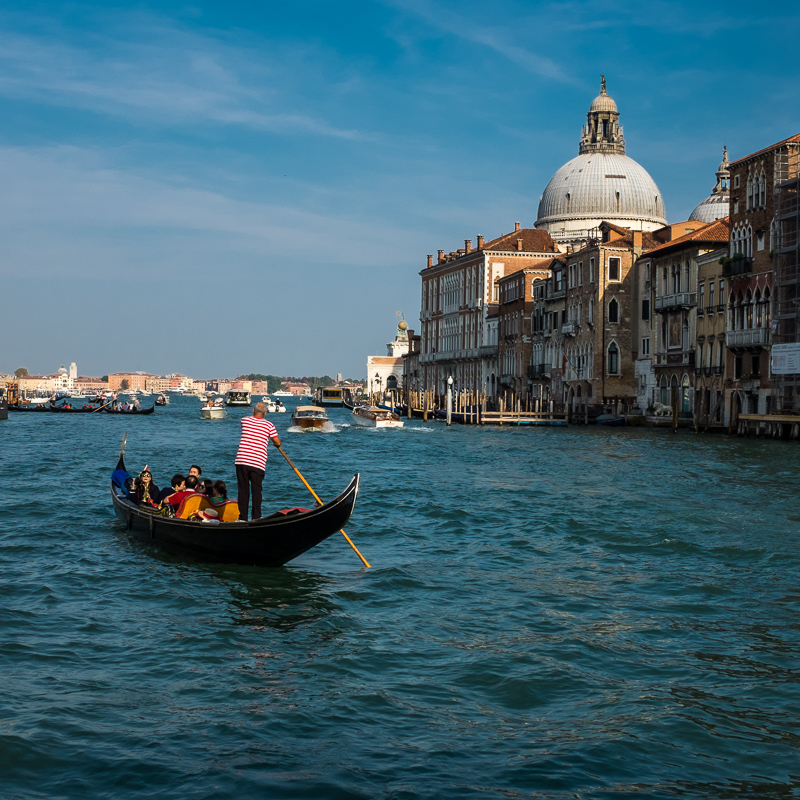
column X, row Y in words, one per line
column 289, row 461
column 100, row 408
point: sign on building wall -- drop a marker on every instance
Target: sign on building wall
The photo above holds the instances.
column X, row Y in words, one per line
column 786, row 359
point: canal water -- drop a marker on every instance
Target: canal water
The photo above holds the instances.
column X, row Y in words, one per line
column 550, row 613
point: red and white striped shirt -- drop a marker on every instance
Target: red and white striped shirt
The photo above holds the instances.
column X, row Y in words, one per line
column 256, row 432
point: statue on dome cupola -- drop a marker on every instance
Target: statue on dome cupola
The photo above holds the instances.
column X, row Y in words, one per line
column 602, row 133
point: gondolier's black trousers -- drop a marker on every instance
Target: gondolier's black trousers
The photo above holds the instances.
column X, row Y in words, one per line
column 245, row 478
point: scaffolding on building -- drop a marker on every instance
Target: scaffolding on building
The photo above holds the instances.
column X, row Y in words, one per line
column 785, row 242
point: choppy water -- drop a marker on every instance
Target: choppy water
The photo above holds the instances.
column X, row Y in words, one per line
column 553, row 613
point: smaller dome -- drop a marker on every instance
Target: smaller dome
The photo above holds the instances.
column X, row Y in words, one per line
column 62, row 370
column 715, row 207
column 603, row 103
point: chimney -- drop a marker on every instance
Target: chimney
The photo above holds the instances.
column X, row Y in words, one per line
column 441, row 256
column 430, row 261
column 519, row 243
column 516, row 226
column 467, row 245
column 480, row 241
column 637, row 242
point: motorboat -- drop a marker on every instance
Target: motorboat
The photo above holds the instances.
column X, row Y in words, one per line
column 310, row 417
column 237, row 397
column 280, row 408
column 282, row 393
column 269, row 403
column 214, row 409
column 375, row 417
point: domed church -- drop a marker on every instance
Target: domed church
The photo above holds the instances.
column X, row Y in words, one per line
column 717, row 204
column 600, row 184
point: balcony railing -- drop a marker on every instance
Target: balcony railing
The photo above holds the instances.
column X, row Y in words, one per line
column 569, row 329
column 710, row 309
column 535, row 370
column 676, row 300
column 719, row 369
column 749, row 337
column 740, row 266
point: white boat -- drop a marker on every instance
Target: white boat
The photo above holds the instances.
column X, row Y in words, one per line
column 269, row 403
column 282, row 393
column 214, row 410
column 374, row 417
column 280, row 408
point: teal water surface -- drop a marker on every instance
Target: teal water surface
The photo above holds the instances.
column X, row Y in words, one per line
column 550, row 613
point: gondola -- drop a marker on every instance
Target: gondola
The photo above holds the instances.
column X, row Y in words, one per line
column 270, row 541
column 150, row 410
column 34, row 408
column 75, row 410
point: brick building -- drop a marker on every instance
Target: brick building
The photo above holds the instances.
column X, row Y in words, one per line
column 755, row 181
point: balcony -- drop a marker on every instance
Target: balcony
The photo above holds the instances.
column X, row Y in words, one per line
column 718, row 370
column 750, row 337
column 739, row 266
column 710, row 309
column 676, row 300
column 559, row 295
column 569, row 329
column 680, row 358
column 535, row 370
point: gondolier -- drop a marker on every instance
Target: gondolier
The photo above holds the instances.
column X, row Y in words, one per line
column 251, row 459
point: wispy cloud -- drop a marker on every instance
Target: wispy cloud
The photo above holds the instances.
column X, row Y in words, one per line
column 498, row 38
column 161, row 74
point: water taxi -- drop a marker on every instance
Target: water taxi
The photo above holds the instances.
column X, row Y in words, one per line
column 310, row 417
column 374, row 417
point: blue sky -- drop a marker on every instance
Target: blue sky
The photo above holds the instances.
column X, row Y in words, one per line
column 216, row 188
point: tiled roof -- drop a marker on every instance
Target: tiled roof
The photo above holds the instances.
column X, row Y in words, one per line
column 716, row 232
column 795, row 138
column 534, row 240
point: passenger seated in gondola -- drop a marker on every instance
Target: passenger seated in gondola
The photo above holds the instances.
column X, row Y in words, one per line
column 206, row 487
column 189, row 489
column 219, row 494
column 177, row 484
column 144, row 492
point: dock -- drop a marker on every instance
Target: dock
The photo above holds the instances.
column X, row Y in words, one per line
column 523, row 418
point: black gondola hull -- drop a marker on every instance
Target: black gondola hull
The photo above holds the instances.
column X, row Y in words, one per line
column 150, row 410
column 271, row 541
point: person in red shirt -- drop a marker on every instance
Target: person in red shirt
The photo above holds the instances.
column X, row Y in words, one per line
column 251, row 459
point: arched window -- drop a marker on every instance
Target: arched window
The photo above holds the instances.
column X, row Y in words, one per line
column 686, row 286
column 613, row 359
column 748, row 311
column 613, row 311
column 662, row 386
column 685, row 393
column 685, row 340
column 759, row 307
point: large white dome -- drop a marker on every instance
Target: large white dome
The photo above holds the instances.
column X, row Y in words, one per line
column 600, row 186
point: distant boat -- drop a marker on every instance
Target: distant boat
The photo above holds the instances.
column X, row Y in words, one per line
column 310, row 417
column 215, row 410
column 610, row 419
column 329, row 396
column 162, row 400
column 237, row 397
column 282, row 393
column 374, row 417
